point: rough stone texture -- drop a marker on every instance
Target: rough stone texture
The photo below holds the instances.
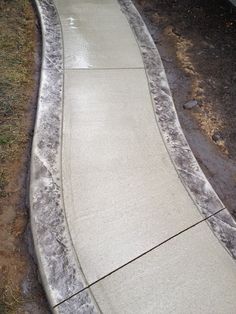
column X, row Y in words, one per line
column 51, row 31
column 78, row 304
column 57, row 261
column 182, row 157
column 224, row 227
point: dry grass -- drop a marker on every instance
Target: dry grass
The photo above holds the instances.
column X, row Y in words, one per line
column 17, row 65
column 18, row 44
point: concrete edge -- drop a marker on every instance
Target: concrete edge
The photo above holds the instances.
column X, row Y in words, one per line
column 58, row 265
column 233, row 2
column 186, row 165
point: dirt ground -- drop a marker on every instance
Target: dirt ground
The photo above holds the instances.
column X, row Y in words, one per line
column 197, row 43
column 20, row 290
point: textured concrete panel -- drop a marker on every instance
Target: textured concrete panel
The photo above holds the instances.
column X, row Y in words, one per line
column 122, row 193
column 97, row 35
column 192, row 273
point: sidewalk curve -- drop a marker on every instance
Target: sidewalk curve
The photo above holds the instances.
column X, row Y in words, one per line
column 123, row 218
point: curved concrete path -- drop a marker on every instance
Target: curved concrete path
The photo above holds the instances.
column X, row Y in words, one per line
column 137, row 206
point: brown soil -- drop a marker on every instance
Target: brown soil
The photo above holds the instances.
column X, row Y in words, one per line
column 20, row 290
column 197, row 44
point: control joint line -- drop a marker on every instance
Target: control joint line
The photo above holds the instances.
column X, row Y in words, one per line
column 137, row 257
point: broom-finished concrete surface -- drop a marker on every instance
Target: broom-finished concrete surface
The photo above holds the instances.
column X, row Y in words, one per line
column 139, row 236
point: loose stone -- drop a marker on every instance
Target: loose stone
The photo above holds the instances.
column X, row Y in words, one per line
column 190, row 104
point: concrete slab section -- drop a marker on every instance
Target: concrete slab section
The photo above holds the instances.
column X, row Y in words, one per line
column 87, row 8
column 122, row 193
column 189, row 274
column 97, row 35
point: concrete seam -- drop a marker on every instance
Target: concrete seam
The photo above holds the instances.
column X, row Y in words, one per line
column 140, row 256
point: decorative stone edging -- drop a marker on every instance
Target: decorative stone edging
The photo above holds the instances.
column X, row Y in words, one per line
column 60, row 270
column 58, row 265
column 186, row 165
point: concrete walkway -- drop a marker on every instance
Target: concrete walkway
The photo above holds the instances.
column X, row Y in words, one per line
column 141, row 237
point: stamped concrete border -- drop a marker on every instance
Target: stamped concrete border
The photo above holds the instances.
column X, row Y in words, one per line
column 59, row 268
column 186, row 165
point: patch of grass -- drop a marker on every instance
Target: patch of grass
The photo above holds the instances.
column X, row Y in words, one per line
column 17, row 48
column 2, row 308
column 6, row 108
column 3, row 183
column 18, row 44
column 5, row 139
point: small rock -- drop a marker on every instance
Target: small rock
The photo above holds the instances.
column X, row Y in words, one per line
column 190, row 104
column 176, row 32
column 217, row 136
column 207, row 44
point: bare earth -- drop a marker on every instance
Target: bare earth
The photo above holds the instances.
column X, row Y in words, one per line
column 197, row 43
column 20, row 290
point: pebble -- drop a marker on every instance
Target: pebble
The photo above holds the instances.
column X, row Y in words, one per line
column 217, row 136
column 190, row 104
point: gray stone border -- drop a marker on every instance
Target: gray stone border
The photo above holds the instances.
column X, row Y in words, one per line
column 59, row 268
column 186, row 165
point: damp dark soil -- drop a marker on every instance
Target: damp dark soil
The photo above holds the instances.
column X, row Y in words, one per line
column 197, row 43
column 20, row 290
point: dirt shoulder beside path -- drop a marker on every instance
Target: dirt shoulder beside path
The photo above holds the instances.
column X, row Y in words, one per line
column 20, row 290
column 197, row 44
